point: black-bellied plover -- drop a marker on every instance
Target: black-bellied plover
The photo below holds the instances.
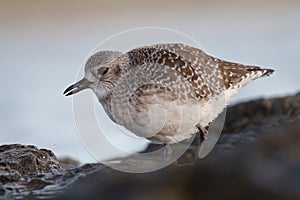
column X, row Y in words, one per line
column 164, row 92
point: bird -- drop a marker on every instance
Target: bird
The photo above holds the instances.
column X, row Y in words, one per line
column 165, row 92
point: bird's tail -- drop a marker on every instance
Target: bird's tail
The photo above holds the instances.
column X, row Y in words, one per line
column 265, row 72
column 268, row 72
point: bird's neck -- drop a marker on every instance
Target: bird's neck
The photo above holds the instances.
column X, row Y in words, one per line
column 105, row 100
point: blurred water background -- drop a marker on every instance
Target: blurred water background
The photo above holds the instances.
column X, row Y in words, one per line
column 43, row 45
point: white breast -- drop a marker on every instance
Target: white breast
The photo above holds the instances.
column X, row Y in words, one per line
column 169, row 121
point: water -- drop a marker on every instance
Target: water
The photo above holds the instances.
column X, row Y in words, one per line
column 44, row 44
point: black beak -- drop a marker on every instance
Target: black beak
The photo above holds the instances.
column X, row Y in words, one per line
column 77, row 87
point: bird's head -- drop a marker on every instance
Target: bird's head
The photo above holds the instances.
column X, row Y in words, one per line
column 101, row 74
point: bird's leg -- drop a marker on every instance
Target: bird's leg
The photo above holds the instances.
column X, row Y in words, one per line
column 203, row 136
column 203, row 132
column 168, row 152
column 198, row 140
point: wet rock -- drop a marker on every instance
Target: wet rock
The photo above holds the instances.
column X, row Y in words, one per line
column 67, row 163
column 262, row 112
column 21, row 169
column 28, row 160
column 2, row 191
column 9, row 175
column 251, row 121
column 268, row 169
column 46, row 185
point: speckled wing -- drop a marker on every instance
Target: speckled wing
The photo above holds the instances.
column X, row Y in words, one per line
column 203, row 75
column 177, row 67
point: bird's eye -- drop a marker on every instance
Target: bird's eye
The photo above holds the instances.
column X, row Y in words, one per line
column 102, row 70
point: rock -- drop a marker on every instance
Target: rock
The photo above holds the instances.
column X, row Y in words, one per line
column 40, row 175
column 67, row 163
column 262, row 112
column 21, row 169
column 268, row 169
column 9, row 175
column 28, row 160
column 2, row 191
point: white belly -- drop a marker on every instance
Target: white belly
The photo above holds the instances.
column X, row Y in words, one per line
column 169, row 122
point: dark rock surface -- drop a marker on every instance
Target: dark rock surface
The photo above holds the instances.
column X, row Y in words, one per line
column 256, row 157
column 67, row 162
column 262, row 112
column 28, row 160
column 249, row 121
column 267, row 170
